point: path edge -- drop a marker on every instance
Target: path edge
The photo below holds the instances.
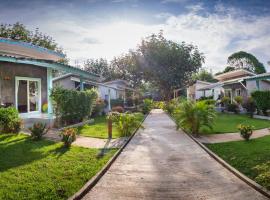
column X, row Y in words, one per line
column 94, row 180
column 237, row 173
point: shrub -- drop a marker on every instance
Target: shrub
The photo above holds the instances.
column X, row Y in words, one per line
column 170, row 106
column 238, row 100
column 9, row 120
column 250, row 106
column 232, row 107
column 262, row 101
column 73, row 106
column 263, row 176
column 209, row 101
column 206, row 98
column 245, row 131
column 147, row 105
column 99, row 107
column 159, row 105
column 125, row 123
column 117, row 102
column 68, row 136
column 119, row 109
column 225, row 100
column 193, row 115
column 38, row 130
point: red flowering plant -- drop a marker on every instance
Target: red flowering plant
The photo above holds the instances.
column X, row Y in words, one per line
column 38, row 130
column 68, row 136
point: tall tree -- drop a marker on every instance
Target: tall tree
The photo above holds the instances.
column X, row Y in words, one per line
column 167, row 64
column 244, row 60
column 98, row 66
column 203, row 75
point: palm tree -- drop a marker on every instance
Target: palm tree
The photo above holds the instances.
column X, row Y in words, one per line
column 191, row 116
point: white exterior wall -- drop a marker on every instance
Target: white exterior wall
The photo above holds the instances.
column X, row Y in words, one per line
column 103, row 91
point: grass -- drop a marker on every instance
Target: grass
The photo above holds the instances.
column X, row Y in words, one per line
column 99, row 128
column 44, row 169
column 227, row 123
column 242, row 155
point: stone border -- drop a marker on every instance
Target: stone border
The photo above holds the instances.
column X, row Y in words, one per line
column 94, row 180
column 238, row 174
column 261, row 117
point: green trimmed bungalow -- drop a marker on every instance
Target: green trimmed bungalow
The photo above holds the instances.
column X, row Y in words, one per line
column 26, row 78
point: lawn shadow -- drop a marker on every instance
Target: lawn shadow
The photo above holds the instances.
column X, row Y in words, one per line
column 59, row 151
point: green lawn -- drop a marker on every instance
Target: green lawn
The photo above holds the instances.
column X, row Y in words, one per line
column 244, row 155
column 227, row 123
column 44, row 169
column 99, row 129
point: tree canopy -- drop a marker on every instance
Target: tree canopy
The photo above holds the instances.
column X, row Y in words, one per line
column 244, row 60
column 19, row 32
column 203, row 75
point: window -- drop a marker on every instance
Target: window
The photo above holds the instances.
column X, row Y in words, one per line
column 238, row 92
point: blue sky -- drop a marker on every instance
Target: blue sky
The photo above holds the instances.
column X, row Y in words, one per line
column 107, row 28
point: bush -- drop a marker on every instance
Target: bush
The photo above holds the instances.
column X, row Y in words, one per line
column 238, row 100
column 193, row 115
column 245, row 131
column 170, row 106
column 119, row 109
column 68, row 136
column 147, row 105
column 159, row 105
column 73, row 106
column 225, row 100
column 250, row 106
column 263, row 176
column 99, row 107
column 117, row 102
column 9, row 120
column 206, row 98
column 232, row 107
column 125, row 123
column 262, row 101
column 38, row 130
column 209, row 101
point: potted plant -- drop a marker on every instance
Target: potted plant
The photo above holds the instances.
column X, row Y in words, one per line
column 245, row 131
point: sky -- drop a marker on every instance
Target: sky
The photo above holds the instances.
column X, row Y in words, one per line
column 107, row 28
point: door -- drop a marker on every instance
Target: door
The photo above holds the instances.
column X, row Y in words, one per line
column 28, row 94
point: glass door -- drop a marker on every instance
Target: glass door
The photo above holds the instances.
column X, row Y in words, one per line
column 28, row 95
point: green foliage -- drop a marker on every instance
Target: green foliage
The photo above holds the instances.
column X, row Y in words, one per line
column 238, row 99
column 171, row 106
column 250, row 106
column 9, row 120
column 126, row 123
column 19, row 32
column 245, row 131
column 209, row 102
column 262, row 101
column 203, row 75
column 193, row 115
column 98, row 66
column 206, row 98
column 117, row 102
column 73, row 106
column 263, row 177
column 232, row 107
column 147, row 105
column 225, row 100
column 247, row 61
column 68, row 136
column 38, row 130
column 159, row 105
column 99, row 107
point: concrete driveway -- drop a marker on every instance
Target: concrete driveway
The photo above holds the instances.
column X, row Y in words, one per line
column 162, row 163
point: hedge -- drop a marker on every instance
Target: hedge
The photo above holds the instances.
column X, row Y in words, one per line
column 72, row 106
column 262, row 100
column 10, row 121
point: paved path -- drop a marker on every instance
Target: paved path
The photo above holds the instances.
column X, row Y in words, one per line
column 228, row 137
column 162, row 163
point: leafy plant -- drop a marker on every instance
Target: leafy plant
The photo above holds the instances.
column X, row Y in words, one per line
column 225, row 100
column 232, row 107
column 193, row 115
column 263, row 176
column 159, row 105
column 68, row 136
column 99, row 107
column 147, row 105
column 119, row 109
column 38, row 130
column 245, row 131
column 170, row 106
column 125, row 123
column 73, row 106
column 261, row 99
column 238, row 99
column 250, row 106
column 10, row 121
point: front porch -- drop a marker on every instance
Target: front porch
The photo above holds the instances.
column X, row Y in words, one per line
column 30, row 118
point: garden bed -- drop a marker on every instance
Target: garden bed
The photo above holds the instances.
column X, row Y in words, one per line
column 227, row 123
column 244, row 156
column 44, row 169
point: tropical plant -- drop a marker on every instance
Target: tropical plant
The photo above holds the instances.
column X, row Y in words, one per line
column 191, row 116
column 225, row 100
column 238, row 100
column 10, row 121
column 68, row 136
column 245, row 131
column 159, row 105
column 147, row 105
column 171, row 106
column 203, row 75
column 125, row 123
column 38, row 130
column 263, row 177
